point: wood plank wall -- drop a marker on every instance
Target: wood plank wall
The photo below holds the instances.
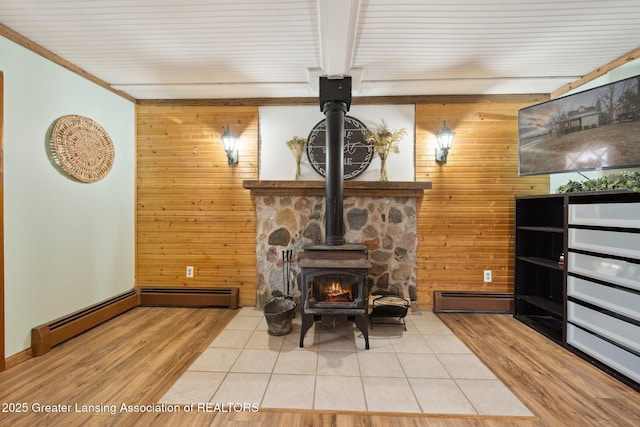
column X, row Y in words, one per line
column 465, row 223
column 192, row 209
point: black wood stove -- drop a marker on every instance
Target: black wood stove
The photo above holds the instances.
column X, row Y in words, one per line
column 333, row 275
column 334, row 285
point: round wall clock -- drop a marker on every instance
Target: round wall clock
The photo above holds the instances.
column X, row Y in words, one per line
column 357, row 152
column 81, row 148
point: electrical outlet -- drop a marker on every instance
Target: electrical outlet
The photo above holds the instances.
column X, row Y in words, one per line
column 189, row 271
column 487, row 276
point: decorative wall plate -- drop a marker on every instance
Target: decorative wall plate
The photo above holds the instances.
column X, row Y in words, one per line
column 82, row 148
column 357, row 152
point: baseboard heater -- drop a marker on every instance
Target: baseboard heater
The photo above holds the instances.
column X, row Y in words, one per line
column 189, row 297
column 472, row 302
column 45, row 336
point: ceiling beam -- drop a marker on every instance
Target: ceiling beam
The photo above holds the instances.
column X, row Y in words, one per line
column 598, row 72
column 47, row 54
column 337, row 22
column 356, row 100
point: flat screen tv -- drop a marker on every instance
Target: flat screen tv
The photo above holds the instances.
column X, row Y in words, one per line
column 591, row 130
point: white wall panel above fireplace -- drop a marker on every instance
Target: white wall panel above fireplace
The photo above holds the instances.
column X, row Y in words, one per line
column 279, row 124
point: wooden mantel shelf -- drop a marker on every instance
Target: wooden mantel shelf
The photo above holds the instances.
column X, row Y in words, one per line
column 351, row 188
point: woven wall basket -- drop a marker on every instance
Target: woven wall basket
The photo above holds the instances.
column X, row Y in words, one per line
column 82, row 148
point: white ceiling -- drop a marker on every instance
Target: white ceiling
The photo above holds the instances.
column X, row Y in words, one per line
column 167, row 49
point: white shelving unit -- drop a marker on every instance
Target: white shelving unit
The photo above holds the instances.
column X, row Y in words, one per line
column 603, row 282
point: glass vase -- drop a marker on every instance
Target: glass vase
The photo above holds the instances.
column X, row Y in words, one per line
column 297, row 171
column 383, row 170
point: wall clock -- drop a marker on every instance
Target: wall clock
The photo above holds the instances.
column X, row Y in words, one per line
column 357, row 152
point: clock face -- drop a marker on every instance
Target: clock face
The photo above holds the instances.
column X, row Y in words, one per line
column 357, row 152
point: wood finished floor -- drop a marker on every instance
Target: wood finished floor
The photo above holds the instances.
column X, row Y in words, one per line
column 135, row 358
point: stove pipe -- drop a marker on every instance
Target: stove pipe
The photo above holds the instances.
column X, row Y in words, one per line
column 335, row 100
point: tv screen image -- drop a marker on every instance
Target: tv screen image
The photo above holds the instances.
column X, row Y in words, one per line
column 595, row 129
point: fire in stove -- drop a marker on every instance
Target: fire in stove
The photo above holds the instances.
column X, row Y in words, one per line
column 332, row 290
column 338, row 288
column 336, row 293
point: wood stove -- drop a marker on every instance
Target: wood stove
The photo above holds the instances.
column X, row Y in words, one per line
column 334, row 274
column 334, row 283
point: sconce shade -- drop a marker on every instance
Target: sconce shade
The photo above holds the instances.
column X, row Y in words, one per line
column 444, row 139
column 229, row 141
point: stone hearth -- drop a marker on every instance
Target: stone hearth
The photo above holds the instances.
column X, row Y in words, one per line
column 386, row 225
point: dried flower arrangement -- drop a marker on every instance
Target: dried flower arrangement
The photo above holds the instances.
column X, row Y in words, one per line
column 297, row 145
column 385, row 141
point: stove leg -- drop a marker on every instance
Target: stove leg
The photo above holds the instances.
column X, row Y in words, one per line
column 307, row 322
column 361, row 323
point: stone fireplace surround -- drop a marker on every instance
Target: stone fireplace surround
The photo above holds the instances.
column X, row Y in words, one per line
column 379, row 215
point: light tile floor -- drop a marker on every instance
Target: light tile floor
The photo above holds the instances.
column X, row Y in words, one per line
column 425, row 369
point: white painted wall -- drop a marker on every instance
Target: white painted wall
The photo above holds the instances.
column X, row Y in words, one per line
column 67, row 244
column 278, row 124
column 622, row 72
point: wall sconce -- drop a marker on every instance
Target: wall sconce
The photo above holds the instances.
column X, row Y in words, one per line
column 445, row 141
column 229, row 141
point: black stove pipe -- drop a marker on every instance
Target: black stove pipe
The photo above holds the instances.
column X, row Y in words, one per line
column 335, row 100
column 334, row 112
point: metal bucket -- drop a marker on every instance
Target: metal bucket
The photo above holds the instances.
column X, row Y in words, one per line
column 278, row 313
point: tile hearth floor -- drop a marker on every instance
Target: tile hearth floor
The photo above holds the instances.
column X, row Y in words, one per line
column 425, row 369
